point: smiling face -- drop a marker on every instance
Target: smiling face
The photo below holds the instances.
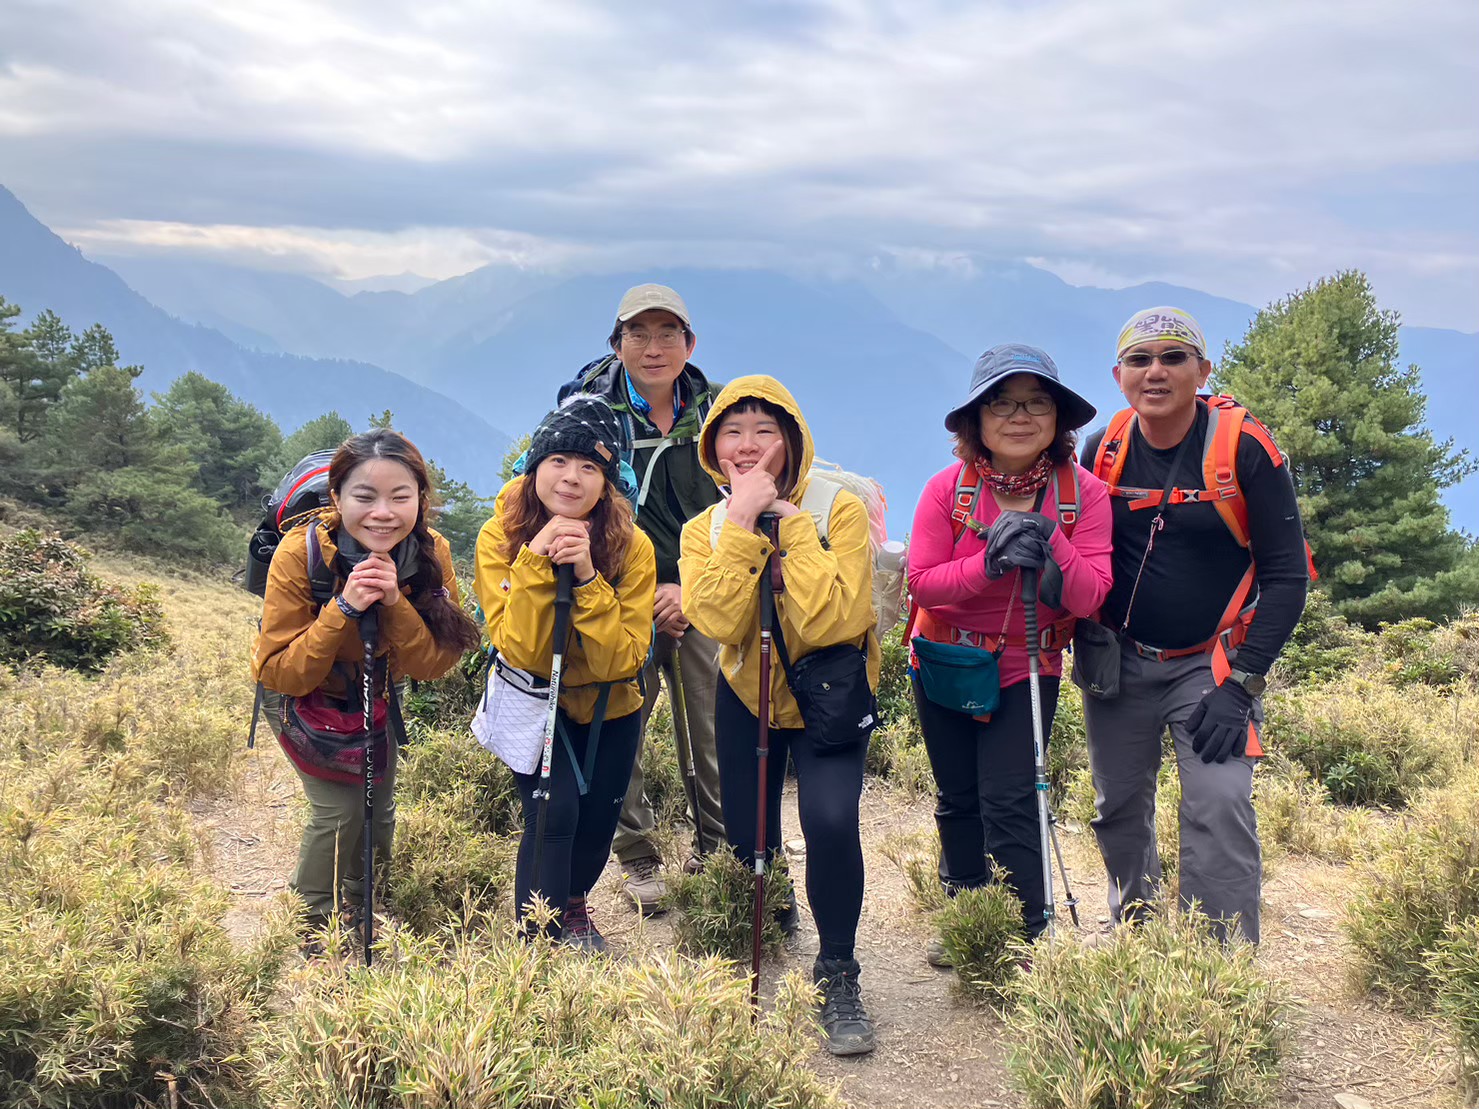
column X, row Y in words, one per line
column 378, row 503
column 654, row 348
column 1016, row 441
column 1157, row 392
column 569, row 485
column 743, row 437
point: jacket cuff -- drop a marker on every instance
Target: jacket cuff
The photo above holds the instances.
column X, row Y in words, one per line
column 743, row 543
column 799, row 533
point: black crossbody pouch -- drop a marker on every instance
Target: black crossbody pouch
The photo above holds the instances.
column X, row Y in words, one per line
column 831, row 689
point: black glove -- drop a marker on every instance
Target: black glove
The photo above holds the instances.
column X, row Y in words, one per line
column 1219, row 725
column 1018, row 541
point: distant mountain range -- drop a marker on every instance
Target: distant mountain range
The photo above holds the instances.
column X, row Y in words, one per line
column 40, row 271
column 875, row 361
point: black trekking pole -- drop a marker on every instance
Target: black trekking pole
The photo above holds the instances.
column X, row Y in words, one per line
column 369, row 630
column 1039, row 760
column 564, row 585
column 770, row 585
column 685, row 747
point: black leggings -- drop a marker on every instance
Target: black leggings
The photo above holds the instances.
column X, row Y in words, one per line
column 579, row 828
column 827, row 792
column 986, row 793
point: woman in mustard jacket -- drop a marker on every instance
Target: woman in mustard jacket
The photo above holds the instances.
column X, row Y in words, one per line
column 568, row 508
column 381, row 551
column 758, row 448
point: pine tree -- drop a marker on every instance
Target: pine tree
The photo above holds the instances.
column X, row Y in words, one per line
column 1320, row 369
column 229, row 440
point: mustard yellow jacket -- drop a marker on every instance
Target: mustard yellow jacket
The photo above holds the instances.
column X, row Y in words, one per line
column 828, row 595
column 611, row 621
column 300, row 642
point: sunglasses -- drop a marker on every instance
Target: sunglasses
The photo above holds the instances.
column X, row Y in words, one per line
column 1139, row 361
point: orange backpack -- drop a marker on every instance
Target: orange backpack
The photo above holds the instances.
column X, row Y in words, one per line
column 1227, row 422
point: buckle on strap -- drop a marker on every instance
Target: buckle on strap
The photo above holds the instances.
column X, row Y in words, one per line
column 1228, row 638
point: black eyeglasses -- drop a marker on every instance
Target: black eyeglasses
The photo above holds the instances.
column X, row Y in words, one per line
column 1004, row 408
column 1139, row 360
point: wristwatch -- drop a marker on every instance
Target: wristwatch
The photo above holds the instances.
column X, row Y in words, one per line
column 1253, row 683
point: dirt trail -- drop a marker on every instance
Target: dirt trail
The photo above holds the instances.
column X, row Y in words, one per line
column 936, row 1049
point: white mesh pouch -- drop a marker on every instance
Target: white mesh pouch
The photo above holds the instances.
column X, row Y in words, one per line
column 511, row 716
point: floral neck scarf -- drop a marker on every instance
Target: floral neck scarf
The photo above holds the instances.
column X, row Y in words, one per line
column 1016, row 485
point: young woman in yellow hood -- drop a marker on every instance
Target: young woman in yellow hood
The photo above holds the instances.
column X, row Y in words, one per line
column 757, row 447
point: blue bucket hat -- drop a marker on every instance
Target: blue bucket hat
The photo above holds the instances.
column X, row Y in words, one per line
column 1000, row 363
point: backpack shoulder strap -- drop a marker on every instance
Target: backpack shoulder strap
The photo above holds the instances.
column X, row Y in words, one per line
column 1109, row 459
column 820, row 496
column 1225, row 421
column 321, row 577
column 1070, row 496
column 963, row 507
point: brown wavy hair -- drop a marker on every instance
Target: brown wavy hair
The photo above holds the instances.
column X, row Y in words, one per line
column 448, row 624
column 612, row 524
column 968, row 444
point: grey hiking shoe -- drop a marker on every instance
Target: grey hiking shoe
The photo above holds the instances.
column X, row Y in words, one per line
column 934, row 954
column 578, row 930
column 845, row 1023
column 643, row 883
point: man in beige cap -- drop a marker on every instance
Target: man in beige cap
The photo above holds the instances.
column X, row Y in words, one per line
column 661, row 400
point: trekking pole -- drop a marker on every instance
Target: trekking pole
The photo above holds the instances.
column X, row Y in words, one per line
column 564, row 584
column 685, row 744
column 770, row 585
column 1068, row 898
column 1039, row 760
column 369, row 629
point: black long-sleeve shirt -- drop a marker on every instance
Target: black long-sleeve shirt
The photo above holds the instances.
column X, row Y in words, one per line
column 1196, row 563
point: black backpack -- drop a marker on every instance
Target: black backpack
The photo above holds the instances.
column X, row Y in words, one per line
column 304, row 490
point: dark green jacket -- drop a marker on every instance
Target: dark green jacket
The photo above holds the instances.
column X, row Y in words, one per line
column 674, row 487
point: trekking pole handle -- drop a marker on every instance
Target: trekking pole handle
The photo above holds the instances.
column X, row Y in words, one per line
column 770, row 527
column 564, row 591
column 1029, row 612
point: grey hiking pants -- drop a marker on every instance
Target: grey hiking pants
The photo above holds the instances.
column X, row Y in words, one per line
column 1221, row 863
column 699, row 659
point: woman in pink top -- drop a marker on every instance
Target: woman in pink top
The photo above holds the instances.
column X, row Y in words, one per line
column 980, row 523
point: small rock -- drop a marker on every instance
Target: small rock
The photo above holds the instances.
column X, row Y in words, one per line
column 1300, row 905
column 1316, row 914
column 795, row 847
column 1347, row 1100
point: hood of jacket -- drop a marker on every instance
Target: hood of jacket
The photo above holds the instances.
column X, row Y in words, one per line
column 799, row 449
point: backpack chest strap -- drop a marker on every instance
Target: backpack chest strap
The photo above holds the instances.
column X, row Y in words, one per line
column 1152, row 498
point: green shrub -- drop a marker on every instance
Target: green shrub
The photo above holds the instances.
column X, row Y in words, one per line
column 456, row 774
column 1454, row 966
column 896, row 705
column 1422, row 878
column 1068, row 745
column 477, row 1020
column 662, row 777
column 1420, row 652
column 1161, row 1017
column 53, row 608
column 446, row 866
column 912, row 773
column 1367, row 742
column 981, row 930
column 448, row 704
column 1324, row 645
column 917, row 855
column 716, row 907
column 1295, row 815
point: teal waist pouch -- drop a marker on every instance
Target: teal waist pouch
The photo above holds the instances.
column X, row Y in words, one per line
column 958, row 677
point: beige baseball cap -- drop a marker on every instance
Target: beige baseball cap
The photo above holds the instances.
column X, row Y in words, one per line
column 642, row 298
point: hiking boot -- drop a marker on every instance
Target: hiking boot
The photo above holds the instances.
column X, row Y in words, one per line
column 578, row 930
column 643, row 884
column 845, row 1023
column 789, row 918
column 934, row 954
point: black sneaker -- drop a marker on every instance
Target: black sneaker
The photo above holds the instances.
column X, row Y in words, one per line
column 578, row 930
column 846, row 1024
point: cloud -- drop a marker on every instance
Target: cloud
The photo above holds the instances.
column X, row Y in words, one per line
column 1145, row 137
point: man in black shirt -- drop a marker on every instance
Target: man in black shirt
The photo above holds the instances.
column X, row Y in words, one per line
column 1206, row 527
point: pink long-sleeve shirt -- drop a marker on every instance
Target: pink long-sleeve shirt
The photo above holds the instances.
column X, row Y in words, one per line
column 948, row 578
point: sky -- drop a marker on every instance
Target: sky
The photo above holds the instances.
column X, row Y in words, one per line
column 1241, row 149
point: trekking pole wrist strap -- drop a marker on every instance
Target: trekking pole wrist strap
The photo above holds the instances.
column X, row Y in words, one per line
column 345, row 607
